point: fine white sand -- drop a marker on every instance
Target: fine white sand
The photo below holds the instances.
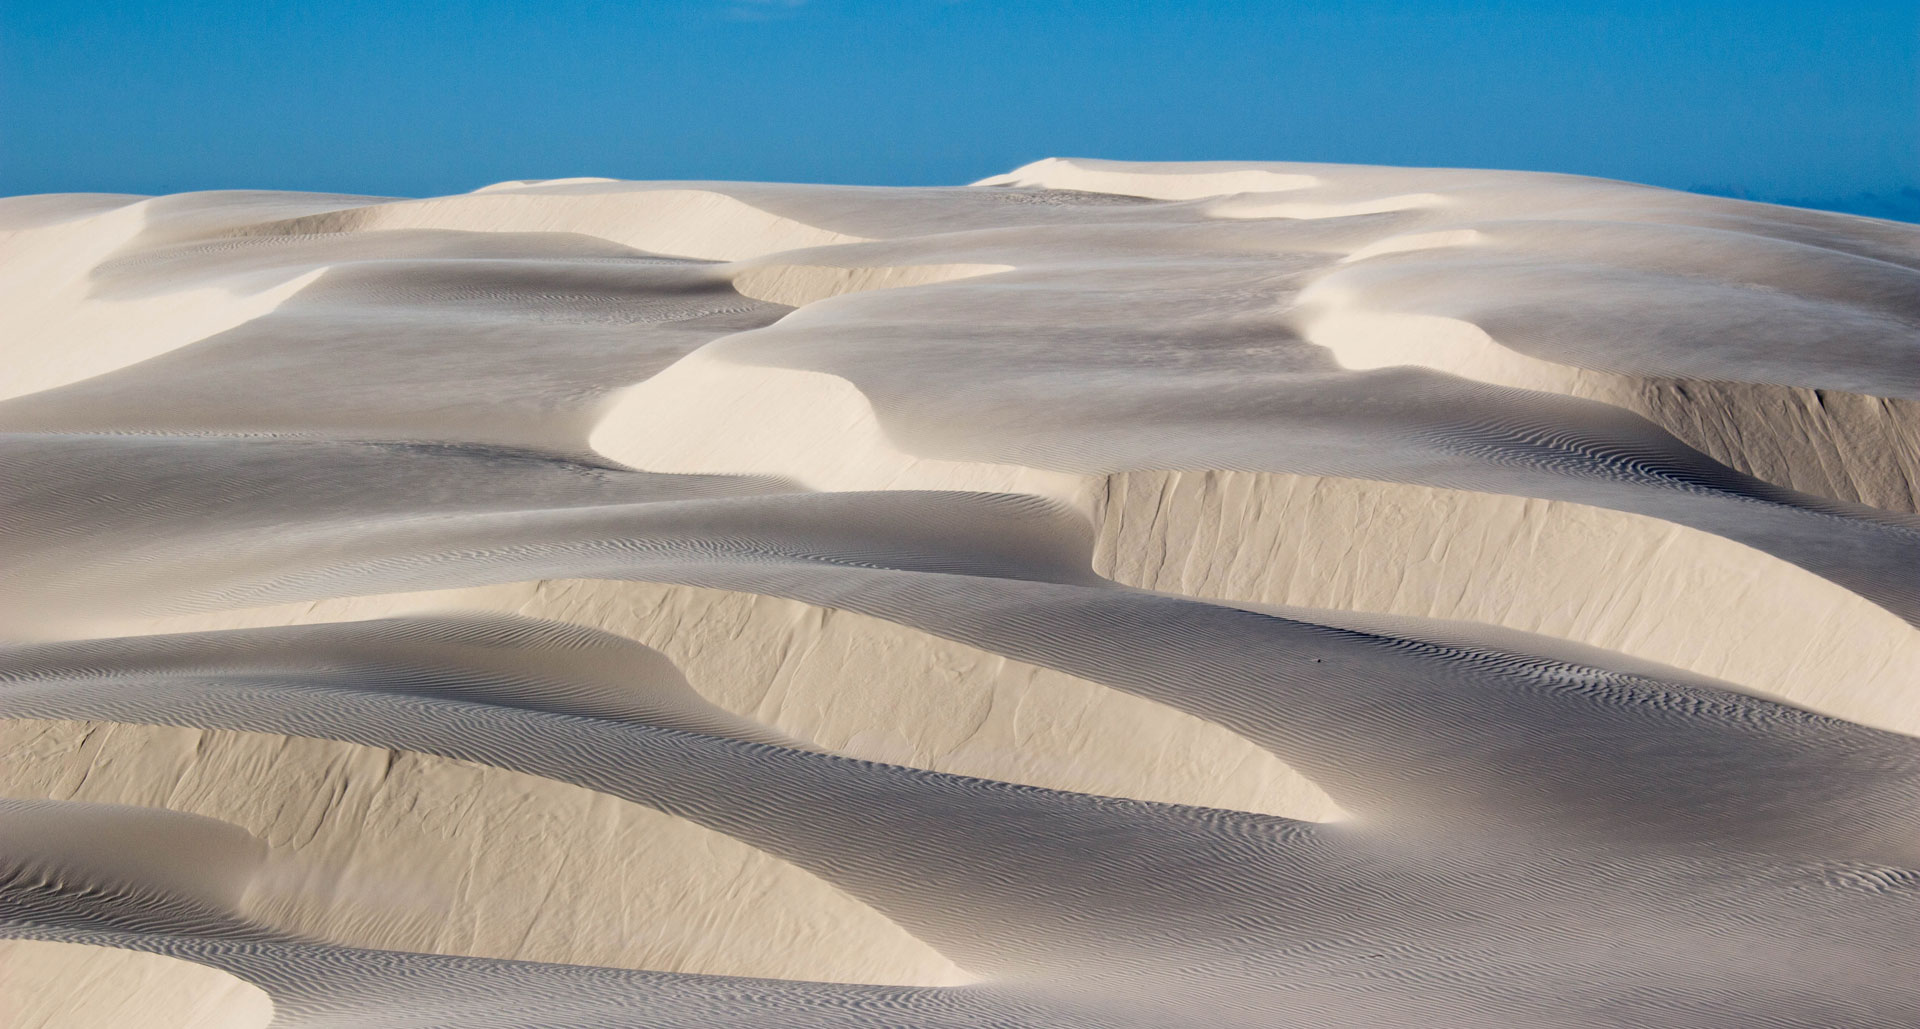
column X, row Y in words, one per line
column 1106, row 595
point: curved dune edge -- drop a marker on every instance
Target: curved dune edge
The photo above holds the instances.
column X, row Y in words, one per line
column 1621, row 582
column 871, row 689
column 1759, row 396
column 1844, row 446
column 797, row 285
column 708, row 415
column 395, row 850
column 1815, row 643
column 48, row 296
column 47, row 985
column 694, row 223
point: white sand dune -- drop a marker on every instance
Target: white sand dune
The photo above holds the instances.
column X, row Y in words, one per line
column 1106, row 595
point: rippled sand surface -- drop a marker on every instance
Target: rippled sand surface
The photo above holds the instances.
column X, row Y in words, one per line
column 1104, row 596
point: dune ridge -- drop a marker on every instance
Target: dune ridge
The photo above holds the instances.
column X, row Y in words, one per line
column 1105, row 595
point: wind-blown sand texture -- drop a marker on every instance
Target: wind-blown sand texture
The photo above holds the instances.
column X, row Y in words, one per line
column 1103, row 596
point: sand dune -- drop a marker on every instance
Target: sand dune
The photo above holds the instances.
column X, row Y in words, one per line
column 1106, row 595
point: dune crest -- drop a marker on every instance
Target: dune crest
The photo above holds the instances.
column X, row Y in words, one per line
column 1105, row 595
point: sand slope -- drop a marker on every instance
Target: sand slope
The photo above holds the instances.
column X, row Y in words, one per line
column 1106, row 595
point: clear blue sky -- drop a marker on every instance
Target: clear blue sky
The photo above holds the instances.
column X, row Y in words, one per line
column 1805, row 100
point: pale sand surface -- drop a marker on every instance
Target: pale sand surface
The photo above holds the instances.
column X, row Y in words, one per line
column 54, row 985
column 1107, row 595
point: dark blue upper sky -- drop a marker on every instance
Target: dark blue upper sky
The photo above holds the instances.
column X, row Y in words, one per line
column 1797, row 100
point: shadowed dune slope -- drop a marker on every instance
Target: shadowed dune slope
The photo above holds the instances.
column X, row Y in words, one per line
column 1104, row 596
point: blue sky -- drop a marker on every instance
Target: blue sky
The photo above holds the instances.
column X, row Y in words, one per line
column 1773, row 99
